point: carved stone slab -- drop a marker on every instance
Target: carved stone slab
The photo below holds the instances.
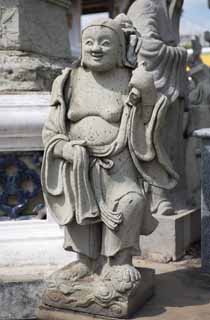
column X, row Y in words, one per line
column 96, row 297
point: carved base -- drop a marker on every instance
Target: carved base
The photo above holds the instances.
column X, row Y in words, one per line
column 97, row 295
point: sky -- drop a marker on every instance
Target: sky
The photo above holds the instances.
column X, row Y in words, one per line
column 196, row 17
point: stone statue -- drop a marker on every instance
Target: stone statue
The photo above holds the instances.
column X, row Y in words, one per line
column 158, row 23
column 195, row 58
column 198, row 118
column 101, row 145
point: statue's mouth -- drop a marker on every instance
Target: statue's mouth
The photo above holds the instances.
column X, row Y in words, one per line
column 97, row 55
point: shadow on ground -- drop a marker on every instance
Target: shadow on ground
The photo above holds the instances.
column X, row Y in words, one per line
column 179, row 294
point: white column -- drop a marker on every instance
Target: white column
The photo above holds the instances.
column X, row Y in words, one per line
column 75, row 27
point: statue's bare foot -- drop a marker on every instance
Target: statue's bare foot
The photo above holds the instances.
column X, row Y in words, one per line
column 75, row 271
column 124, row 277
column 165, row 209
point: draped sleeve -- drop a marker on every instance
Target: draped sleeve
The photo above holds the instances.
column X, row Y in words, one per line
column 146, row 149
column 159, row 49
column 54, row 169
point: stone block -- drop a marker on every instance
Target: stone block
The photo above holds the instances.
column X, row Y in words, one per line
column 172, row 237
column 35, row 26
column 20, row 291
column 18, row 300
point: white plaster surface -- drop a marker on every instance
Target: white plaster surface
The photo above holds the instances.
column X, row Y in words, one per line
column 21, row 120
column 32, row 243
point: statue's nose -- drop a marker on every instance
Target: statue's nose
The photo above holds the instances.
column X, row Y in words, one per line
column 96, row 47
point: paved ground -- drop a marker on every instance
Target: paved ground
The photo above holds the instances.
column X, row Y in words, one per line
column 182, row 293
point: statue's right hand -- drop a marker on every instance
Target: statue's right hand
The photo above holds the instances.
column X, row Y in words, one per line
column 68, row 152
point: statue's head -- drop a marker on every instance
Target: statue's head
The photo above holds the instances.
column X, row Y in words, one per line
column 104, row 45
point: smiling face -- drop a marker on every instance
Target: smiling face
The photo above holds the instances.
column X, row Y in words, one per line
column 100, row 49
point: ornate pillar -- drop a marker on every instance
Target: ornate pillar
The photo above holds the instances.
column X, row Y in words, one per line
column 34, row 43
column 75, row 26
column 34, row 48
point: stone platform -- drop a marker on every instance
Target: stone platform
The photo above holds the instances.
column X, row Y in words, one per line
column 173, row 236
column 20, row 291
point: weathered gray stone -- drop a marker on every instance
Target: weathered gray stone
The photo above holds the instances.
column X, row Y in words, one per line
column 102, row 139
column 204, row 134
column 21, row 71
column 172, row 237
column 23, row 296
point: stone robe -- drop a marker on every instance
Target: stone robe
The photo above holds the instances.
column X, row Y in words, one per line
column 75, row 192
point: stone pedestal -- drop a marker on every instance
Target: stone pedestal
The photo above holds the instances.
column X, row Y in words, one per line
column 96, row 296
column 204, row 134
column 172, row 237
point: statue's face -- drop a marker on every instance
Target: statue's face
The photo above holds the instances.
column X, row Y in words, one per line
column 100, row 49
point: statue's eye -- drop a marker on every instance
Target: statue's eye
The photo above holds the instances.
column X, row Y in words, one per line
column 89, row 42
column 106, row 43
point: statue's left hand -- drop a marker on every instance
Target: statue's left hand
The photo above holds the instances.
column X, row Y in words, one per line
column 68, row 149
column 134, row 98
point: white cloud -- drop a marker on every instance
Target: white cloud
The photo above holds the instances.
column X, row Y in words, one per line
column 189, row 4
column 196, row 17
